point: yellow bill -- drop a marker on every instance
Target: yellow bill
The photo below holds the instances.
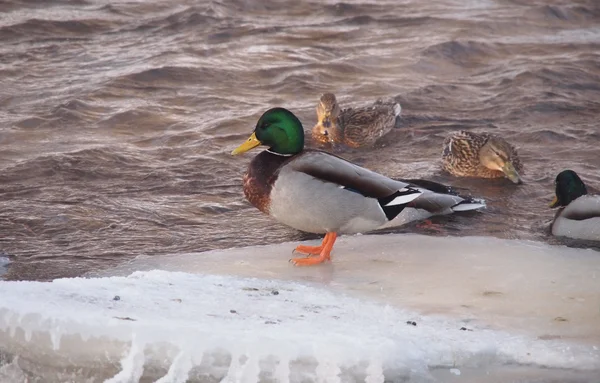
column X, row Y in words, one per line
column 554, row 202
column 250, row 143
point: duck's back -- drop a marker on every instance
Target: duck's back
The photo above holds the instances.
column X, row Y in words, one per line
column 364, row 126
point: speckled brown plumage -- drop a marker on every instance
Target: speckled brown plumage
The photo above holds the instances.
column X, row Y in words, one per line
column 260, row 177
column 363, row 126
column 354, row 127
column 460, row 154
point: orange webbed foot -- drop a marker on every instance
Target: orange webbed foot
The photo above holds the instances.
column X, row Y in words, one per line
column 312, row 250
column 323, row 254
column 308, row 261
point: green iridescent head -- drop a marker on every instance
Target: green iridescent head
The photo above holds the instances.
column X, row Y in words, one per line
column 569, row 187
column 279, row 129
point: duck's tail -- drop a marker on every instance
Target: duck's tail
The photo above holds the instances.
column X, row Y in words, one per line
column 469, row 203
column 397, row 109
column 442, row 199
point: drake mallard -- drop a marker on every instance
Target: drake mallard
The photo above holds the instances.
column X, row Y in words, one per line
column 354, row 127
column 579, row 213
column 318, row 192
column 467, row 154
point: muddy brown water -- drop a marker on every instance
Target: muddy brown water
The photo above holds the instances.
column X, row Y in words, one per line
column 117, row 118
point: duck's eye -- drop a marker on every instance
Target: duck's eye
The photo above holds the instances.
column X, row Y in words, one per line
column 501, row 155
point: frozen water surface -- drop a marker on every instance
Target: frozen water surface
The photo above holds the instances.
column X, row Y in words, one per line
column 478, row 310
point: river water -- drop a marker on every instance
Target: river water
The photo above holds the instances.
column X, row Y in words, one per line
column 117, row 119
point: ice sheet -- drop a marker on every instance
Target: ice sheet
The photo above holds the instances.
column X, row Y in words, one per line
column 525, row 287
column 476, row 303
column 251, row 320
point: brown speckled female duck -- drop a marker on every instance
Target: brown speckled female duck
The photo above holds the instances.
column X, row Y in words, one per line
column 467, row 154
column 354, row 127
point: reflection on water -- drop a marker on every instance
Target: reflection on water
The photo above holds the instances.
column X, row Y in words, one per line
column 118, row 118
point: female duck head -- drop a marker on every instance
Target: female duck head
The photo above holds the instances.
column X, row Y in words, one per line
column 569, row 187
column 328, row 111
column 279, row 129
column 496, row 155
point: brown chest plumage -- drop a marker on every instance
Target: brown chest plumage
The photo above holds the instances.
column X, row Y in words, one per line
column 260, row 177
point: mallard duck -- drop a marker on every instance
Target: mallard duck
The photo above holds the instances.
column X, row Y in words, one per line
column 467, row 154
column 579, row 213
column 318, row 192
column 354, row 127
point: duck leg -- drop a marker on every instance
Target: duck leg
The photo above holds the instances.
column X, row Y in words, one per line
column 428, row 224
column 312, row 250
column 322, row 252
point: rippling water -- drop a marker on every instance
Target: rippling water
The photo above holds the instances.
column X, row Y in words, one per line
column 117, row 118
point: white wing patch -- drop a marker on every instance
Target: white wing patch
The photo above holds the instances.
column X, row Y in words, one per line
column 407, row 195
column 468, row 206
